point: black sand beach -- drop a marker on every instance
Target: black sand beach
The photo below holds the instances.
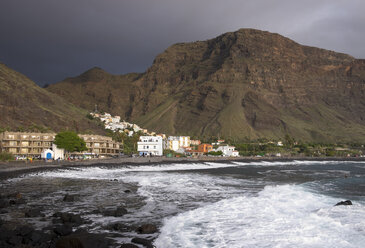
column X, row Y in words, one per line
column 110, row 211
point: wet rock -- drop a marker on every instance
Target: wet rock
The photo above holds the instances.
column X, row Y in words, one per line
column 23, row 230
column 20, row 201
column 69, row 218
column 63, row 230
column 70, row 198
column 15, row 240
column 4, row 203
column 117, row 226
column 37, row 238
column 145, row 242
column 69, row 242
column 128, row 246
column 118, row 212
column 34, row 212
column 347, row 202
column 127, row 191
column 5, row 233
column 83, row 240
column 14, row 195
column 147, row 229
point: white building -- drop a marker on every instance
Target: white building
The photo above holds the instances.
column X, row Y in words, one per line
column 58, row 153
column 47, row 154
column 176, row 142
column 116, row 119
column 228, row 151
column 150, row 146
column 184, row 141
column 173, row 143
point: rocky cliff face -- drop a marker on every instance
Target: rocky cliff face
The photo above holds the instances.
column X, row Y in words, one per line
column 246, row 84
column 23, row 104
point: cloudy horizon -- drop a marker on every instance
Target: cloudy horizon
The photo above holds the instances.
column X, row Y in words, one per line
column 49, row 40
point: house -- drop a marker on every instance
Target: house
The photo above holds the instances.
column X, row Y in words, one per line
column 184, row 141
column 47, row 154
column 58, row 153
column 116, row 119
column 228, row 151
column 176, row 142
column 195, row 142
column 172, row 143
column 205, row 148
column 150, row 146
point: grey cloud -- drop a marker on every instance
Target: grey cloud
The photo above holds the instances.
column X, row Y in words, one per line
column 49, row 40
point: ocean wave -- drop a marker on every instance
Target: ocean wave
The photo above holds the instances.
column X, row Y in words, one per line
column 280, row 216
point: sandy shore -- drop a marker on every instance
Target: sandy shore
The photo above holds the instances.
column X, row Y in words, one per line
column 15, row 168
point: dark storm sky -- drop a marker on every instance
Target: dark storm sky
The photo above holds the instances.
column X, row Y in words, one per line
column 49, row 40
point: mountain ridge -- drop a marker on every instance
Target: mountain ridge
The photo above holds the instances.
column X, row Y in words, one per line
column 245, row 85
column 25, row 105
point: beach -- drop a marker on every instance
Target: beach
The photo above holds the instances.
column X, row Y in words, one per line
column 187, row 202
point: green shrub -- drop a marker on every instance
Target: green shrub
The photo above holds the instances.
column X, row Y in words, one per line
column 6, row 156
column 217, row 153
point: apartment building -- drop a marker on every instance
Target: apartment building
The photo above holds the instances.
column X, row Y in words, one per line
column 33, row 144
column 150, row 146
column 27, row 144
column 100, row 145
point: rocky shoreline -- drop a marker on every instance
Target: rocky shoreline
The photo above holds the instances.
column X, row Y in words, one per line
column 67, row 229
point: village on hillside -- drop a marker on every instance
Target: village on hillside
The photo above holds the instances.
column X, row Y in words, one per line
column 152, row 144
column 129, row 139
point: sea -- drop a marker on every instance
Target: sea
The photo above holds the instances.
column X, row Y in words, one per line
column 211, row 204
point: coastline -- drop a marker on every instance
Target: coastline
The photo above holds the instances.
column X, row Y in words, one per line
column 128, row 200
column 17, row 168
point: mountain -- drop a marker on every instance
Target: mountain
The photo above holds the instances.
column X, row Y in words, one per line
column 245, row 84
column 24, row 105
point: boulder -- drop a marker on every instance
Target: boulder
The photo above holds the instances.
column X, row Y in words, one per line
column 70, row 198
column 147, row 229
column 34, row 212
column 63, row 230
column 23, row 230
column 347, row 202
column 118, row 212
column 118, row 226
column 145, row 242
column 15, row 240
column 4, row 203
column 128, row 246
column 75, row 219
column 127, row 191
column 83, row 240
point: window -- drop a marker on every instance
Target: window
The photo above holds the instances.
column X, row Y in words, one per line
column 25, row 143
column 13, row 143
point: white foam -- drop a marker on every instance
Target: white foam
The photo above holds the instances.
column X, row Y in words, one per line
column 281, row 216
column 103, row 173
column 296, row 163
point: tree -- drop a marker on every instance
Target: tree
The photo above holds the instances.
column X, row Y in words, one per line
column 70, row 141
